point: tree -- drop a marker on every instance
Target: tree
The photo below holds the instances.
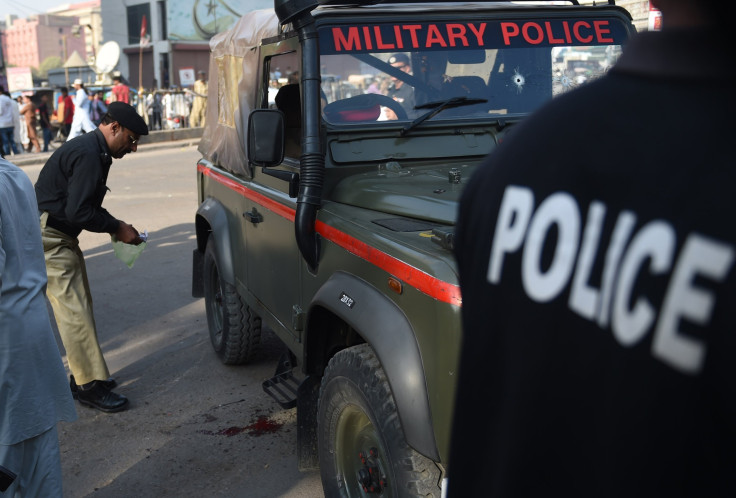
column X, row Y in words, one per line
column 42, row 71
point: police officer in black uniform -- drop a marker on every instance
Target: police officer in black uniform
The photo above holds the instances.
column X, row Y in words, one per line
column 596, row 252
column 400, row 91
column 70, row 190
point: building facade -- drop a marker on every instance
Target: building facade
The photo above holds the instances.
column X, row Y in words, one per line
column 89, row 25
column 176, row 42
column 28, row 42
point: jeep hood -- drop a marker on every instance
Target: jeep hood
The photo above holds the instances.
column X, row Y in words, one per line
column 419, row 193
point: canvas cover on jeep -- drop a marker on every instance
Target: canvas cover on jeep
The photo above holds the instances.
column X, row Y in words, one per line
column 232, row 86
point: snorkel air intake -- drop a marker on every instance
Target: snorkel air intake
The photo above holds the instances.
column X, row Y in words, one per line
column 312, row 161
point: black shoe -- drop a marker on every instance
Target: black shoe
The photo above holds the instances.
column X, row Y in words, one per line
column 109, row 383
column 98, row 395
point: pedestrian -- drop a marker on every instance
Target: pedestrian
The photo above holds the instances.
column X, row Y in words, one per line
column 82, row 104
column 34, row 396
column 44, row 120
column 65, row 112
column 199, row 104
column 97, row 108
column 28, row 111
column 120, row 91
column 155, row 107
column 399, row 90
column 596, row 251
column 19, row 127
column 70, row 189
column 7, row 125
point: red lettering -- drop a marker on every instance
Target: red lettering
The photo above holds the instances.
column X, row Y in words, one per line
column 399, row 41
column 551, row 36
column 478, row 32
column 602, row 28
column 367, row 35
column 455, row 34
column 434, row 37
column 352, row 42
column 576, row 30
column 412, row 29
column 379, row 40
column 527, row 35
column 509, row 30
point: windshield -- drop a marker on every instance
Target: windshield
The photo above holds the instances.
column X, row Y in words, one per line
column 491, row 69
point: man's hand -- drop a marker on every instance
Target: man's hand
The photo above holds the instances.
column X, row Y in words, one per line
column 128, row 234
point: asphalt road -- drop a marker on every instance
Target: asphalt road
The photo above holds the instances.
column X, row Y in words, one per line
column 194, row 426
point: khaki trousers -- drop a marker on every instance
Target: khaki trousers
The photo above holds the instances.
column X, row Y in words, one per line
column 70, row 297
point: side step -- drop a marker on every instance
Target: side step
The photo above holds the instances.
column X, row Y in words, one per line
column 283, row 386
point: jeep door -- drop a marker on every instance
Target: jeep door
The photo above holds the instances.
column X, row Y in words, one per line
column 273, row 258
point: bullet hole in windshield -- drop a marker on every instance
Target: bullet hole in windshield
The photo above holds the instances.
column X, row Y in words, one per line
column 518, row 80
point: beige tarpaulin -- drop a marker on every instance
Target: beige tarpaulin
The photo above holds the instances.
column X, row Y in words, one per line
column 234, row 75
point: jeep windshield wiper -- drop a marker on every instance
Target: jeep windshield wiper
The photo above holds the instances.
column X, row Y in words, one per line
column 438, row 107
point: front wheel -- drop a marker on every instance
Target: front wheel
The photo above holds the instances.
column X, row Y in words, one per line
column 235, row 331
column 361, row 444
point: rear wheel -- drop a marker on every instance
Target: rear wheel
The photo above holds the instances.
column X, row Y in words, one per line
column 362, row 450
column 235, row 331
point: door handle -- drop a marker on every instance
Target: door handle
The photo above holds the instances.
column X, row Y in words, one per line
column 253, row 216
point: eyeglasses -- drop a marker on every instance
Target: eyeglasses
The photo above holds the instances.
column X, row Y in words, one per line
column 133, row 141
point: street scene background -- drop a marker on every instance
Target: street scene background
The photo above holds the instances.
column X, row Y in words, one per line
column 194, row 426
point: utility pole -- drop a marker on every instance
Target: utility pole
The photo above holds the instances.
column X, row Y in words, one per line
column 66, row 56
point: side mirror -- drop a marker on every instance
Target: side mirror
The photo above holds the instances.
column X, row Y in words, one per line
column 266, row 137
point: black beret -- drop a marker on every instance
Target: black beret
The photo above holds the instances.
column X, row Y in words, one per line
column 125, row 115
column 398, row 57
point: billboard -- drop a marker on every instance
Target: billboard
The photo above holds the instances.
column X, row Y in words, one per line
column 197, row 20
column 19, row 78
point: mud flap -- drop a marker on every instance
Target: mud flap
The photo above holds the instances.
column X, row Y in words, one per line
column 306, row 423
column 197, row 273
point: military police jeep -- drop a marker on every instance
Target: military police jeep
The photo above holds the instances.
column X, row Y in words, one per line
column 338, row 139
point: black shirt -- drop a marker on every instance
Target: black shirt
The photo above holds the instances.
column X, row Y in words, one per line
column 43, row 113
column 72, row 186
column 405, row 97
column 596, row 253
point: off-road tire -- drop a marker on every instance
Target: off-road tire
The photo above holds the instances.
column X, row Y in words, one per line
column 235, row 331
column 357, row 413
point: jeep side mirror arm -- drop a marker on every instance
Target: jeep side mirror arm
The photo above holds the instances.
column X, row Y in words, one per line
column 288, row 176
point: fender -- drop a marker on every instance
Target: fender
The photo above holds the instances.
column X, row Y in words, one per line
column 215, row 214
column 387, row 329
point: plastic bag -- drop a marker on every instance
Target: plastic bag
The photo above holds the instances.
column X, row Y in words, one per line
column 128, row 253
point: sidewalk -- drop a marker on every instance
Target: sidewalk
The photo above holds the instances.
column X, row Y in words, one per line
column 154, row 140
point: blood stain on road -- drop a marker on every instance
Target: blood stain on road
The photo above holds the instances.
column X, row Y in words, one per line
column 263, row 425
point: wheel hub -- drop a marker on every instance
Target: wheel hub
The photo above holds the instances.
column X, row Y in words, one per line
column 370, row 476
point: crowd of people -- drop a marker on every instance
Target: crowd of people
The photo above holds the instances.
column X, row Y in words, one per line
column 29, row 118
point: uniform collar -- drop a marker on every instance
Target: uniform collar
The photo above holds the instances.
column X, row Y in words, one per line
column 104, row 149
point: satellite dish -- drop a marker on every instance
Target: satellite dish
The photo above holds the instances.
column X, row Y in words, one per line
column 107, row 58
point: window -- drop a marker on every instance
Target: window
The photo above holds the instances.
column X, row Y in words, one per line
column 135, row 18
column 162, row 16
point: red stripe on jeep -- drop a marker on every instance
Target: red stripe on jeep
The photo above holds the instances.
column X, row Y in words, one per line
column 425, row 283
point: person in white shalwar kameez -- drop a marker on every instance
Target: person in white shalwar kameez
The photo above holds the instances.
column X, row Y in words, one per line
column 82, row 104
column 34, row 394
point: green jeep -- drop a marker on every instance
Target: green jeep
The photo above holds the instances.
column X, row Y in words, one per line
column 338, row 139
